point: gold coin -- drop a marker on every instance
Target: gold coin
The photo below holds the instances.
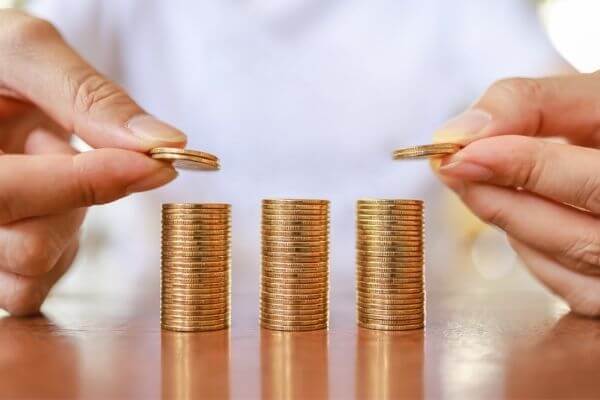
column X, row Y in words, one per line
column 295, row 308
column 178, row 328
column 187, row 160
column 285, row 321
column 386, row 291
column 178, row 256
column 285, row 298
column 285, row 219
column 389, row 241
column 291, row 286
column 194, row 232
column 193, row 311
column 295, row 202
column 383, row 235
column 389, row 308
column 199, row 242
column 294, row 231
column 416, row 252
column 196, row 216
column 389, row 259
column 293, row 259
column 195, row 301
column 177, row 150
column 295, row 268
column 386, row 327
column 391, row 314
column 276, row 327
column 374, row 302
column 398, row 219
column 199, row 265
column 395, row 319
column 390, row 266
column 389, row 247
column 187, row 253
column 294, row 251
column 383, row 280
column 179, row 206
column 210, row 222
column 395, row 202
column 282, row 291
column 172, row 284
column 385, row 287
column 284, row 212
column 224, row 274
column 372, row 212
column 286, row 224
column 223, row 248
column 269, row 278
column 390, row 230
column 294, row 319
column 427, row 151
column 382, row 295
column 187, row 316
column 291, row 246
column 174, row 279
column 295, row 239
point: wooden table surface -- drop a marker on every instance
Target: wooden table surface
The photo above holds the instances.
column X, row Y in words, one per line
column 510, row 344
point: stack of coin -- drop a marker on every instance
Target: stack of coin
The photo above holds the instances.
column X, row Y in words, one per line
column 195, row 273
column 295, row 265
column 390, row 259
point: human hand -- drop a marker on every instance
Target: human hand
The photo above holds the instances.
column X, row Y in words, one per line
column 46, row 92
column 545, row 195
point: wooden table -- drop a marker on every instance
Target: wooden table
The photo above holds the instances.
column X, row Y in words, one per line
column 476, row 346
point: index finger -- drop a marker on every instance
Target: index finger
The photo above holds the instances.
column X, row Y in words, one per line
column 32, row 186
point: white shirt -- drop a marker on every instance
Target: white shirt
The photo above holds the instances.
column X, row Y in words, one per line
column 298, row 99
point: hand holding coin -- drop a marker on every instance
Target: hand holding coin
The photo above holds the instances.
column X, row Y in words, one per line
column 46, row 92
column 544, row 194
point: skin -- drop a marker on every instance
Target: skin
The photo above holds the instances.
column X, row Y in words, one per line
column 47, row 92
column 545, row 194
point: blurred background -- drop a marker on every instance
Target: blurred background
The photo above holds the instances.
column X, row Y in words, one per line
column 307, row 98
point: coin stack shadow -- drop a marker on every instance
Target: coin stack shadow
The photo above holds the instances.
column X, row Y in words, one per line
column 196, row 267
column 389, row 264
column 295, row 265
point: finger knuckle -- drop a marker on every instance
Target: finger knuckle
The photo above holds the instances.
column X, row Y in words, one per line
column 584, row 249
column 520, row 88
column 86, row 191
column 23, row 30
column 26, row 297
column 91, row 91
column 35, row 255
column 588, row 194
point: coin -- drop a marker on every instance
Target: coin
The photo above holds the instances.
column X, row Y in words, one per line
column 427, row 151
column 384, row 327
column 278, row 327
column 185, row 158
column 196, row 206
column 284, row 211
column 171, row 150
column 295, row 202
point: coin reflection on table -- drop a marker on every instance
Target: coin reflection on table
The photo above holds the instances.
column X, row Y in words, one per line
column 389, row 364
column 294, row 365
column 195, row 365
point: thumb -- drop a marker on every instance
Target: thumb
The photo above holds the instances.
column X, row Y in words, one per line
column 38, row 66
column 558, row 106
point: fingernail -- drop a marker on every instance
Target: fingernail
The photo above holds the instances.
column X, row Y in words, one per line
column 465, row 170
column 148, row 128
column 464, row 126
column 159, row 178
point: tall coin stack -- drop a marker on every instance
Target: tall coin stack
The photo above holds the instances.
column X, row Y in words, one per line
column 195, row 273
column 390, row 259
column 295, row 265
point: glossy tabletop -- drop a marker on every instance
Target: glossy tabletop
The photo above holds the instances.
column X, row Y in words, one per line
column 509, row 344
